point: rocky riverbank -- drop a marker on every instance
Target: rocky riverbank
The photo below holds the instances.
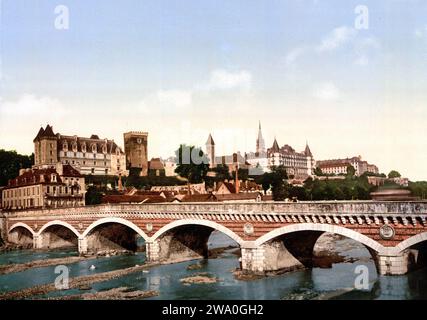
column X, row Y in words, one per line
column 200, row 278
column 6, row 247
column 11, row 268
column 122, row 293
column 76, row 282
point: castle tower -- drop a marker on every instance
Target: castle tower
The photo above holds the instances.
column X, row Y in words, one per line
column 136, row 151
column 260, row 143
column 210, row 151
column 45, row 147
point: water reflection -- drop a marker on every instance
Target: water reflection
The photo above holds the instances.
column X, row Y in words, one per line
column 336, row 282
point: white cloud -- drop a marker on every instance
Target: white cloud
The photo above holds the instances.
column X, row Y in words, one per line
column 362, row 60
column 223, row 80
column 294, row 54
column 365, row 48
column 326, row 91
column 420, row 32
column 179, row 98
column 31, row 105
column 338, row 37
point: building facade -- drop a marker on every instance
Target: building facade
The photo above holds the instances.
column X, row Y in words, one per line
column 45, row 187
column 298, row 165
column 90, row 156
column 339, row 166
column 136, row 151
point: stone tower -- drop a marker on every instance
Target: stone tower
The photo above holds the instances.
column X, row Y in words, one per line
column 210, row 151
column 260, row 144
column 45, row 147
column 136, row 151
column 310, row 160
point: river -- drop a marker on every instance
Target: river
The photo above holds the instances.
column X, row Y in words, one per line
column 336, row 282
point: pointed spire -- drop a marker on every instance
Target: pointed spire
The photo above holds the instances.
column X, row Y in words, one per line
column 40, row 134
column 210, row 141
column 260, row 144
column 307, row 150
column 275, row 147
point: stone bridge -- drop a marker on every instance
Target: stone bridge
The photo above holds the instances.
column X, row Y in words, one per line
column 272, row 235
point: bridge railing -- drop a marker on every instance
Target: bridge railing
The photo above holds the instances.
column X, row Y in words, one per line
column 319, row 207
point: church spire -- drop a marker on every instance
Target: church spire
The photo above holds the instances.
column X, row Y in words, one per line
column 260, row 143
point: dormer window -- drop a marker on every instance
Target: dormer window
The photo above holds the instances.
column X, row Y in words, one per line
column 53, row 178
column 104, row 148
column 65, row 146
column 117, row 151
column 74, row 146
column 94, row 148
column 84, row 147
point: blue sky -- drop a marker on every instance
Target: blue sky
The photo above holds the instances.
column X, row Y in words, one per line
column 182, row 69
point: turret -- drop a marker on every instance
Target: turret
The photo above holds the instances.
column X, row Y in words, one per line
column 210, row 151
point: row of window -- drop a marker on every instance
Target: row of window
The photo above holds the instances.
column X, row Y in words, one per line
column 94, row 148
column 83, row 162
column 22, row 192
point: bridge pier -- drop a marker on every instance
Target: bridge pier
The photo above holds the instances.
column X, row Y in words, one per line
column 83, row 245
column 272, row 256
column 37, row 241
column 152, row 250
column 393, row 264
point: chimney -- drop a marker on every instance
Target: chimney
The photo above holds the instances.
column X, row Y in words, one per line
column 237, row 183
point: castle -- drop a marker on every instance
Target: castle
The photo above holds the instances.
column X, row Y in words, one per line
column 298, row 165
column 93, row 155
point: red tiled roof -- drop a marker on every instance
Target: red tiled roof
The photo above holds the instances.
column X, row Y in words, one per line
column 155, row 164
column 70, row 171
column 34, row 177
column 238, row 196
column 208, row 197
column 132, row 199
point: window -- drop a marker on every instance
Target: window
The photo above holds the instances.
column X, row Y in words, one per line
column 92, row 171
column 94, row 148
column 106, row 171
column 94, row 163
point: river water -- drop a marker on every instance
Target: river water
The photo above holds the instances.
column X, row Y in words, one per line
column 331, row 283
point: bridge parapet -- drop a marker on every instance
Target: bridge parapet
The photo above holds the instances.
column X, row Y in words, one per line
column 245, row 208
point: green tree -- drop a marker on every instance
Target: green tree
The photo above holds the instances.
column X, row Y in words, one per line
column 265, row 181
column 350, row 171
column 278, row 183
column 93, row 196
column 318, row 172
column 394, row 174
column 192, row 163
column 10, row 163
column 222, row 172
column 243, row 174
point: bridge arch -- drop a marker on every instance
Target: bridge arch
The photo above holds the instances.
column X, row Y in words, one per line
column 405, row 244
column 122, row 221
column 59, row 223
column 206, row 223
column 23, row 225
column 370, row 243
